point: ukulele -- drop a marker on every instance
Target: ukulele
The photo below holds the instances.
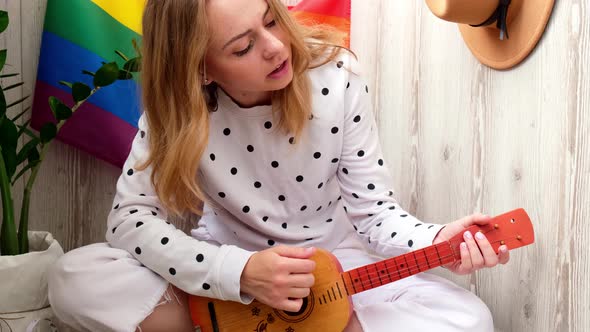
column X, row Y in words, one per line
column 328, row 306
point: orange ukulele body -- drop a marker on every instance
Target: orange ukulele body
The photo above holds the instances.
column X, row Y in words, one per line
column 328, row 308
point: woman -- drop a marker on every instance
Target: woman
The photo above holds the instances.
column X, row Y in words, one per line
column 267, row 123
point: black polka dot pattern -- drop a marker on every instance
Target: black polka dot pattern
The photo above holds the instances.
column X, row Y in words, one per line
column 264, row 181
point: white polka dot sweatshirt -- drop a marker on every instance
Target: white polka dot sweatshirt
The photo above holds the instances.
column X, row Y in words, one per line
column 268, row 190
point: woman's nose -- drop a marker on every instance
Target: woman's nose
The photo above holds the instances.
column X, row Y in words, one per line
column 273, row 46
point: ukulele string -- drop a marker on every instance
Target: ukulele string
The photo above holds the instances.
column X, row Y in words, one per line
column 411, row 269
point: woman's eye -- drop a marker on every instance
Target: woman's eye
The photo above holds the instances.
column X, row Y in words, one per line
column 246, row 50
column 271, row 24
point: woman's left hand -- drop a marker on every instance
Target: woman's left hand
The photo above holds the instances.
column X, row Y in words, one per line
column 476, row 251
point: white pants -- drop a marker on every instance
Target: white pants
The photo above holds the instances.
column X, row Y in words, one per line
column 100, row 288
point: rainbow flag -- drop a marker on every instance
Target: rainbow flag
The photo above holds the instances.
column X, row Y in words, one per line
column 81, row 35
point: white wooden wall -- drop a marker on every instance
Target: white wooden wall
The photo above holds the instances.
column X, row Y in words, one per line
column 458, row 138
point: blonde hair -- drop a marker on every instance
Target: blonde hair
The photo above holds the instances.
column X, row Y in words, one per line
column 177, row 105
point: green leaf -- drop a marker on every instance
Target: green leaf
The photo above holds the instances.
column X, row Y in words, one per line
column 106, row 75
column 8, row 134
column 2, row 104
column 80, row 91
column 34, row 156
column 3, row 54
column 86, row 72
column 3, row 20
column 124, row 75
column 132, row 65
column 60, row 110
column 48, row 132
column 9, row 155
column 23, row 128
column 30, row 165
column 122, row 55
column 64, row 83
column 23, row 154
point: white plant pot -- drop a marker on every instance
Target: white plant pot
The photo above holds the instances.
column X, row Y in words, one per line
column 23, row 286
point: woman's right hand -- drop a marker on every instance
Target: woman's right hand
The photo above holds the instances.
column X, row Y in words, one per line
column 279, row 277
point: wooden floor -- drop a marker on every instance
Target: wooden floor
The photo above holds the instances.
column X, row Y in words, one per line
column 457, row 136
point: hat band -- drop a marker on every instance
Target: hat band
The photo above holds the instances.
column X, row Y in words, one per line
column 499, row 16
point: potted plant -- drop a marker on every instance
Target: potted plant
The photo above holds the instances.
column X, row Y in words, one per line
column 25, row 255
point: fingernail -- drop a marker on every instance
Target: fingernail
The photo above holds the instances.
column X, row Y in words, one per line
column 463, row 245
column 467, row 235
column 503, row 248
column 479, row 236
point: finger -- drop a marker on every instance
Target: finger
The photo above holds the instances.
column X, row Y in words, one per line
column 304, row 280
column 295, row 252
column 298, row 293
column 292, row 305
column 474, row 253
column 466, row 265
column 477, row 218
column 503, row 255
column 297, row 265
column 489, row 255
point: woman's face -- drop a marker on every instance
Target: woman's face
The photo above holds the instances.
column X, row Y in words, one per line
column 249, row 55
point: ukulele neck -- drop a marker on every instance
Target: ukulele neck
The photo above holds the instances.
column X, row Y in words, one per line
column 383, row 272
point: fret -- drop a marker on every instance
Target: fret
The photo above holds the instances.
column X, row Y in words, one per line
column 426, row 256
column 423, row 252
column 344, row 283
column 417, row 263
column 378, row 272
column 352, row 282
column 405, row 257
column 388, row 270
column 368, row 276
column 345, row 288
column 400, row 267
column 438, row 254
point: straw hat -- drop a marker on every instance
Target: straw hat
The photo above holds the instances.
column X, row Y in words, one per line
column 500, row 33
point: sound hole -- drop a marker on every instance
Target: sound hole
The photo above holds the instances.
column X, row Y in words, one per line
column 302, row 310
column 306, row 309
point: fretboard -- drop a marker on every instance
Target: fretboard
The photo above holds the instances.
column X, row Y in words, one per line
column 396, row 268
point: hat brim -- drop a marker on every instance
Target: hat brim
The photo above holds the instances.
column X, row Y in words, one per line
column 525, row 30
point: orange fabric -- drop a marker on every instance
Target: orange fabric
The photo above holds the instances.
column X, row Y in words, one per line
column 331, row 12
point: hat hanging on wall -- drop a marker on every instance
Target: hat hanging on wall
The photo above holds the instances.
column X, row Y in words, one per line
column 499, row 33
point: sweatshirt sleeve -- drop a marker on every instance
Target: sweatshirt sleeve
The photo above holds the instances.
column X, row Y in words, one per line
column 137, row 223
column 366, row 182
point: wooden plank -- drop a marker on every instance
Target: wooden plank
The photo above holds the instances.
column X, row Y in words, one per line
column 457, row 136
